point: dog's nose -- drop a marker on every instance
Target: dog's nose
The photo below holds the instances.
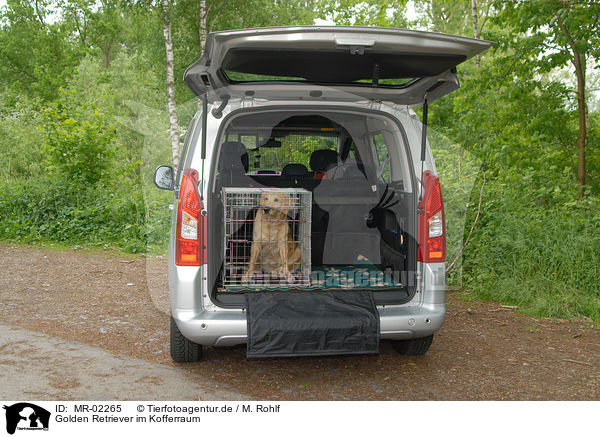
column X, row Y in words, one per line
column 266, row 210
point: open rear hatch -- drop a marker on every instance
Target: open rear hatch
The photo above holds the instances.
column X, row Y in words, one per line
column 339, row 63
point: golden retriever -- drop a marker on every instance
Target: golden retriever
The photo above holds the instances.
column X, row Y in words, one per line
column 273, row 248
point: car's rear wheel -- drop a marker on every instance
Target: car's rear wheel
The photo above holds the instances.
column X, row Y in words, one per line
column 183, row 350
column 414, row 346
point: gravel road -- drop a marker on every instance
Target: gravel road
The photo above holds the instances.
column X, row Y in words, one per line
column 119, row 303
column 39, row 366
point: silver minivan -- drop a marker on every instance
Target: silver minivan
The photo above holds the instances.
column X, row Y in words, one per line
column 308, row 215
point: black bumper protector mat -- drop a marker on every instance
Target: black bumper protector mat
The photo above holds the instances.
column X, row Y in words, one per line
column 290, row 324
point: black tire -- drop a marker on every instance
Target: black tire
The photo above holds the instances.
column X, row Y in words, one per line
column 183, row 350
column 414, row 346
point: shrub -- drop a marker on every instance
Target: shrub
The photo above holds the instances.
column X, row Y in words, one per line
column 535, row 248
column 40, row 210
column 79, row 140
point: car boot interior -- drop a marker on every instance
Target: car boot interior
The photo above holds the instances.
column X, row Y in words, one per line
column 362, row 199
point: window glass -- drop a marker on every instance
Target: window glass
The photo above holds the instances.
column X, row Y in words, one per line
column 186, row 145
column 383, row 171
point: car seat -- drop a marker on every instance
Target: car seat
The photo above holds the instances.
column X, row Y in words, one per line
column 322, row 160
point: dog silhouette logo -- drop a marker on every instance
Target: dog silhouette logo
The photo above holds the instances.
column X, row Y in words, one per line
column 26, row 416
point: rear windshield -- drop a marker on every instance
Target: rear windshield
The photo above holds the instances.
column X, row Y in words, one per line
column 340, row 66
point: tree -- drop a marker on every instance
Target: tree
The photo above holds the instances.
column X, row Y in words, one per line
column 107, row 28
column 564, row 33
column 476, row 32
column 36, row 57
column 362, row 12
column 170, row 80
column 446, row 16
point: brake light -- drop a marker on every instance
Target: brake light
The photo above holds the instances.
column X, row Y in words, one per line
column 190, row 247
column 432, row 225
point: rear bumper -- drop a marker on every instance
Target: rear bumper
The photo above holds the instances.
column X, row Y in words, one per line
column 228, row 328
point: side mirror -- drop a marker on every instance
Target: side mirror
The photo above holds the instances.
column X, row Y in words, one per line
column 164, row 177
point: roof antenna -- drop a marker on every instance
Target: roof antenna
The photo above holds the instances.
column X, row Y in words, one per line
column 423, row 143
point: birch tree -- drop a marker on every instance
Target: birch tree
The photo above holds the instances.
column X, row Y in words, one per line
column 170, row 80
column 202, row 33
column 476, row 33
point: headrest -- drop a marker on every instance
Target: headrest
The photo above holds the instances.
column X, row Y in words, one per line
column 324, row 159
column 234, row 156
column 294, row 170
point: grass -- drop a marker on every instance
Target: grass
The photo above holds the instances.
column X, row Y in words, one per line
column 543, row 258
column 104, row 251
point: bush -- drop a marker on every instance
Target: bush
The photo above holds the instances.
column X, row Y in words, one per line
column 80, row 170
column 535, row 248
column 79, row 140
column 20, row 138
column 41, row 210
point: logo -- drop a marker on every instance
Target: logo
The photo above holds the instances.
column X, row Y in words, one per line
column 26, row 416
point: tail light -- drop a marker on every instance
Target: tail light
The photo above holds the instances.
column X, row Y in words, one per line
column 432, row 224
column 190, row 247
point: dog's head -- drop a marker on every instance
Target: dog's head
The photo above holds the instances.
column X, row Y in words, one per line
column 275, row 203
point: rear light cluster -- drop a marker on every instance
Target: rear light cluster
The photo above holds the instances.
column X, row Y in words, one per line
column 432, row 224
column 190, row 247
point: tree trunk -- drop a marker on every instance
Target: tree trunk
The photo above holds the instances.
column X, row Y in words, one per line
column 202, row 28
column 476, row 34
column 435, row 18
column 107, row 49
column 202, row 32
column 579, row 62
column 174, row 125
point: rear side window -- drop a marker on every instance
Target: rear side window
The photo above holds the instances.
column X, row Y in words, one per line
column 383, row 157
column 186, row 144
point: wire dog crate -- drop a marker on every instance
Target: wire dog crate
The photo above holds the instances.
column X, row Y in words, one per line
column 284, row 215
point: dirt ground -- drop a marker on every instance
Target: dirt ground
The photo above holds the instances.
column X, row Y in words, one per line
column 120, row 303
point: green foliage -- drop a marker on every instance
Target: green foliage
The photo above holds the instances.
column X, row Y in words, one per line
column 20, row 140
column 364, row 12
column 535, row 247
column 42, row 210
column 74, row 175
column 79, row 140
column 447, row 16
column 37, row 57
column 554, row 26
